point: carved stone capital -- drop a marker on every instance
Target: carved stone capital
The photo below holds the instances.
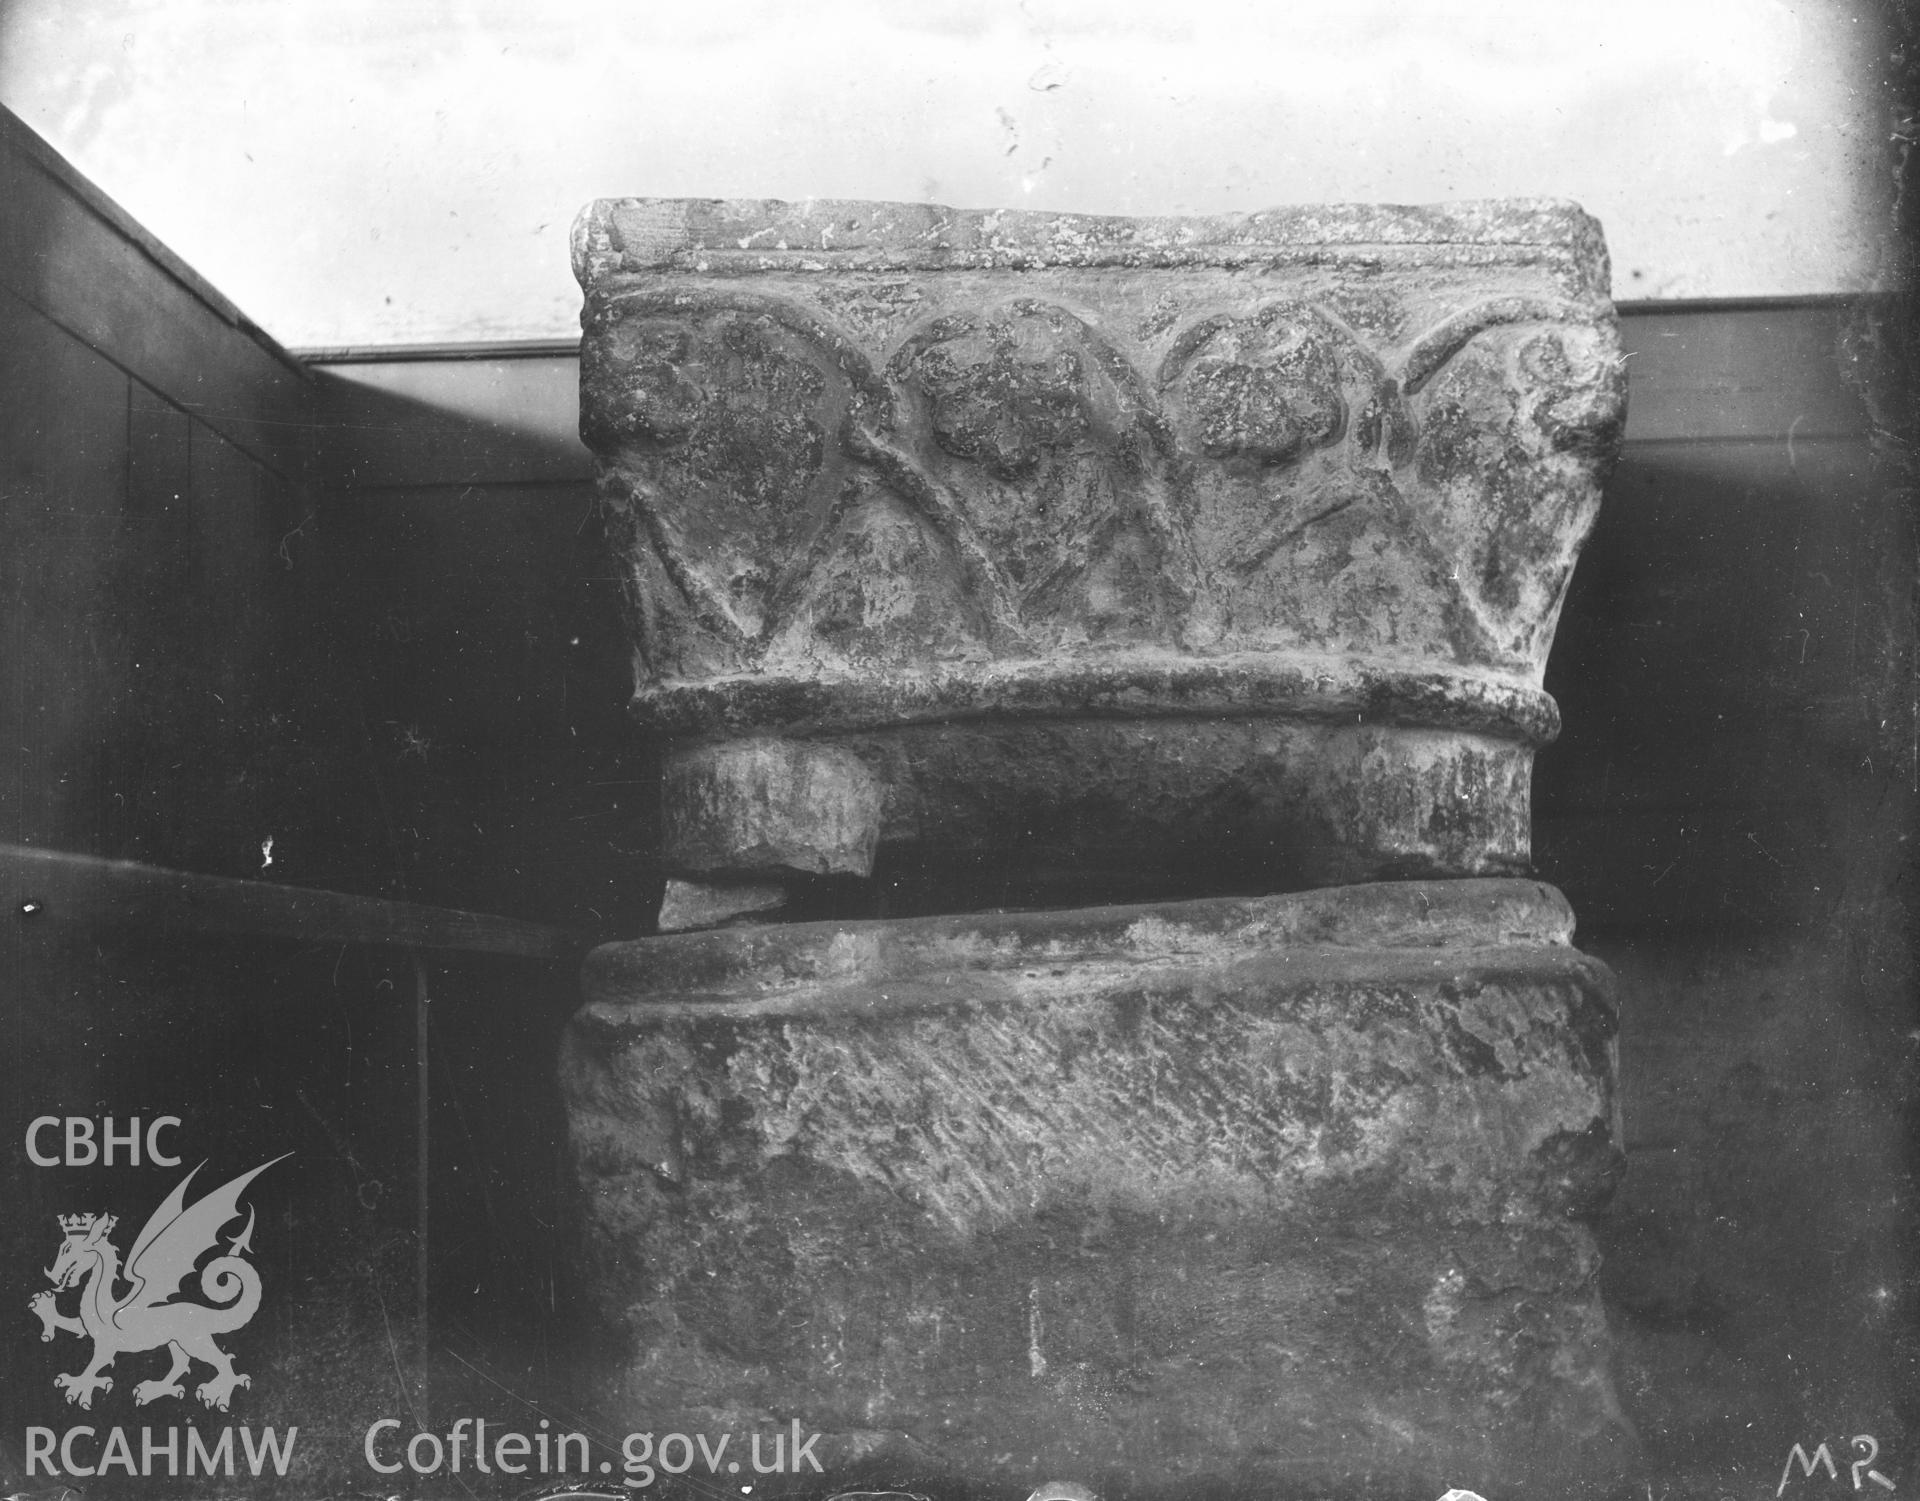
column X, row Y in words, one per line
column 1090, row 489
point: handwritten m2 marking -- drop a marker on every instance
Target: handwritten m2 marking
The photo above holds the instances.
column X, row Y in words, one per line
column 1865, row 1442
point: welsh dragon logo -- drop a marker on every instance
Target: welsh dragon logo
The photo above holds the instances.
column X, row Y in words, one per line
column 164, row 1254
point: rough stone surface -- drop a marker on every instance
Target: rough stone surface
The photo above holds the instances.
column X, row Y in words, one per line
column 1277, row 1191
column 764, row 806
column 879, row 465
column 687, row 905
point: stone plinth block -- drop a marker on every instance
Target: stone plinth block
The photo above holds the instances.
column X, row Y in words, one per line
column 1284, row 1190
column 1240, row 535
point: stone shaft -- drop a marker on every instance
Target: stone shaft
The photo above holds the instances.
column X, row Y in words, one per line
column 768, row 807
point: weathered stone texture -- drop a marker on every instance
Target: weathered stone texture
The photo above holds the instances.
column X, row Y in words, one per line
column 880, row 465
column 1281, row 1188
column 769, row 807
column 687, row 905
column 1223, row 551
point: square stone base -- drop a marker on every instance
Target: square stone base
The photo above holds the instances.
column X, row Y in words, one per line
column 1280, row 1192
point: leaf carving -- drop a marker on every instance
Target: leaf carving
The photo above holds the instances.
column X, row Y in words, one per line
column 728, row 419
column 1039, row 442
column 1517, row 402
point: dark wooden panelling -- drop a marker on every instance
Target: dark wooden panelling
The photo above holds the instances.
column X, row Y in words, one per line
column 171, row 688
column 496, row 673
column 159, row 471
column 1732, row 669
column 58, row 886
column 89, row 270
column 63, row 465
column 1760, row 372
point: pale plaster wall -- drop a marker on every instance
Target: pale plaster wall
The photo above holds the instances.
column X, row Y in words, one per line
column 373, row 172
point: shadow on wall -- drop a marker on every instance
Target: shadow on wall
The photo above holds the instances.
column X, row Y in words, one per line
column 482, row 604
column 453, row 419
column 1730, row 811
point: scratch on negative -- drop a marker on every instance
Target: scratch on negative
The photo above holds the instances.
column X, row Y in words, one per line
column 1754, row 840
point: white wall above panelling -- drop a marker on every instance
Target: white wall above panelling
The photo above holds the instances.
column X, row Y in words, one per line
column 368, row 172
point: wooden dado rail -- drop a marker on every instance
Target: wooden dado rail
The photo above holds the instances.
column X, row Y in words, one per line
column 61, row 886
